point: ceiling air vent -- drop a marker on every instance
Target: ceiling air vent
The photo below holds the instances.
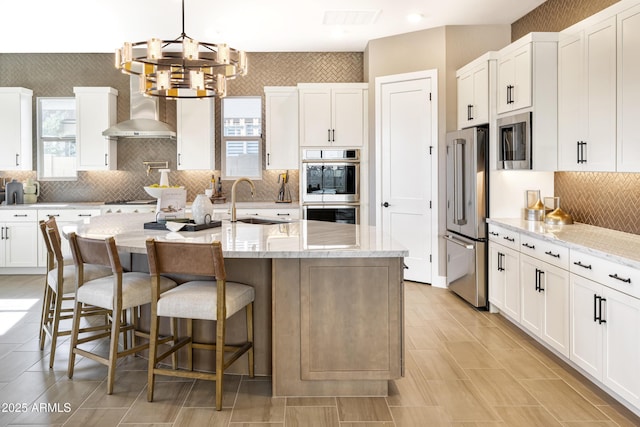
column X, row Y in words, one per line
column 350, row 17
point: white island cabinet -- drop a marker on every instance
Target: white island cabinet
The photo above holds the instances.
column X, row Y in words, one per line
column 333, row 114
column 15, row 128
column 96, row 110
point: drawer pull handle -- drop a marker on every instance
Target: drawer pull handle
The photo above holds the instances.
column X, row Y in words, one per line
column 510, row 239
column 526, row 245
column 493, row 233
column 552, row 254
column 19, row 215
column 579, row 264
column 84, row 214
column 622, row 279
column 283, row 214
column 50, row 215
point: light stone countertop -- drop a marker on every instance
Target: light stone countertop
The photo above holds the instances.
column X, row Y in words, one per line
column 617, row 246
column 288, row 239
column 97, row 205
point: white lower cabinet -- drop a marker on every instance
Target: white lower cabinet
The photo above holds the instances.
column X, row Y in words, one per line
column 605, row 338
column 504, row 279
column 545, row 302
column 286, row 213
column 18, row 238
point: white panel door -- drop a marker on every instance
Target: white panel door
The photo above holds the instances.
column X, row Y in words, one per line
column 406, row 137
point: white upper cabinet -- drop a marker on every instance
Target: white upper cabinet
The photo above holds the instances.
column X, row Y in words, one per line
column 514, row 79
column 195, row 134
column 628, row 138
column 333, row 114
column 96, row 110
column 15, row 128
column 473, row 91
column 587, row 99
column 281, row 115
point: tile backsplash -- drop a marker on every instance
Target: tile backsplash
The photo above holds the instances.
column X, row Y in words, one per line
column 604, row 199
column 68, row 70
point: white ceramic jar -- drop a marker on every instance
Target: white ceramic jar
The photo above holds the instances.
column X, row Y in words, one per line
column 202, row 209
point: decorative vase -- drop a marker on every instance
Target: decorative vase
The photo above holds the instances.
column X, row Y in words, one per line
column 201, row 209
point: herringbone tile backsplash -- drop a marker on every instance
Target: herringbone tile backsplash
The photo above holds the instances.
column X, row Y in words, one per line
column 57, row 74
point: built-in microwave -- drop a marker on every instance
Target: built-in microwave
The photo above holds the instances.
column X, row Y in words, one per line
column 514, row 141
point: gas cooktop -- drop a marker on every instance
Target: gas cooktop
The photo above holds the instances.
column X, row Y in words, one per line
column 132, row 202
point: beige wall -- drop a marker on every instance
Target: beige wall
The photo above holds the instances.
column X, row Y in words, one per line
column 444, row 49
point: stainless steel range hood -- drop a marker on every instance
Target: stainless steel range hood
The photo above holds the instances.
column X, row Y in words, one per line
column 144, row 121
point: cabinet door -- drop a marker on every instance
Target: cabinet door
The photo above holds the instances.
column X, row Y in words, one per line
column 15, row 129
column 511, row 265
column 622, row 345
column 496, row 275
column 521, row 94
column 514, row 80
column 20, row 241
column 347, row 117
column 586, row 331
column 281, row 115
column 195, row 136
column 531, row 309
column 480, row 104
column 555, row 289
column 628, row 137
column 465, row 99
column 600, row 118
column 315, row 117
column 571, row 101
column 95, row 112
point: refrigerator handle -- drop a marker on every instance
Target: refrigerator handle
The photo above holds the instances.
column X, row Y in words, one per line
column 459, row 213
column 458, row 242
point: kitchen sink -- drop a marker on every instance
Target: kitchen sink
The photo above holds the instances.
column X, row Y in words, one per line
column 262, row 221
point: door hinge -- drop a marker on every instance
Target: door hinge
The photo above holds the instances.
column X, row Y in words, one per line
column 430, row 207
column 429, row 96
column 430, row 258
column 431, row 150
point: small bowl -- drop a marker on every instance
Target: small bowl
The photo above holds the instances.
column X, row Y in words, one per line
column 174, row 226
column 155, row 192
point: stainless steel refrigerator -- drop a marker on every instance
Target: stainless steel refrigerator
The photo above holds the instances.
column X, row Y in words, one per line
column 467, row 209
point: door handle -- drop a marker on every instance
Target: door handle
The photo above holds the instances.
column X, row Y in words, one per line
column 459, row 214
column 458, row 242
column 385, row 204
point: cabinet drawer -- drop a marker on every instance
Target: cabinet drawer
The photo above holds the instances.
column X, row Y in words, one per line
column 609, row 273
column 545, row 251
column 68, row 215
column 505, row 237
column 275, row 213
column 16, row 215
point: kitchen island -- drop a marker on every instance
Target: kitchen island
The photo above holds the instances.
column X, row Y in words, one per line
column 328, row 312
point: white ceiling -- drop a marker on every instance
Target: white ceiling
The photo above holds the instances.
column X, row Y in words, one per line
column 251, row 25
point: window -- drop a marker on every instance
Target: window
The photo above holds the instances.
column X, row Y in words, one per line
column 242, row 137
column 56, row 138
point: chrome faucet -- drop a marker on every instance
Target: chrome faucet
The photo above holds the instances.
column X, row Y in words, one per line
column 233, row 195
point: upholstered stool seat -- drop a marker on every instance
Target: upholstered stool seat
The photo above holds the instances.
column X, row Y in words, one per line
column 209, row 298
column 120, row 292
column 60, row 285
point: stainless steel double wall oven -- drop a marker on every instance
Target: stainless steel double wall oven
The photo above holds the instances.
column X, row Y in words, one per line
column 331, row 185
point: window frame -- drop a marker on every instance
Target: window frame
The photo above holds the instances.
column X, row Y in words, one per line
column 241, row 138
column 42, row 139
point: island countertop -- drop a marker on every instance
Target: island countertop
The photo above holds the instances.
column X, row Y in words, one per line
column 286, row 239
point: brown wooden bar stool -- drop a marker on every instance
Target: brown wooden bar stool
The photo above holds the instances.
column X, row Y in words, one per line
column 197, row 299
column 60, row 280
column 118, row 292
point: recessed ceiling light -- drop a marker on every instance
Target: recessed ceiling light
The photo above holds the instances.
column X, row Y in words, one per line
column 414, row 18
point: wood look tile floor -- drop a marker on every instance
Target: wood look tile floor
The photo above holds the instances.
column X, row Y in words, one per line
column 463, row 368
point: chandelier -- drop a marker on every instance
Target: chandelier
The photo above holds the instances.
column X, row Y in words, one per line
column 181, row 68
